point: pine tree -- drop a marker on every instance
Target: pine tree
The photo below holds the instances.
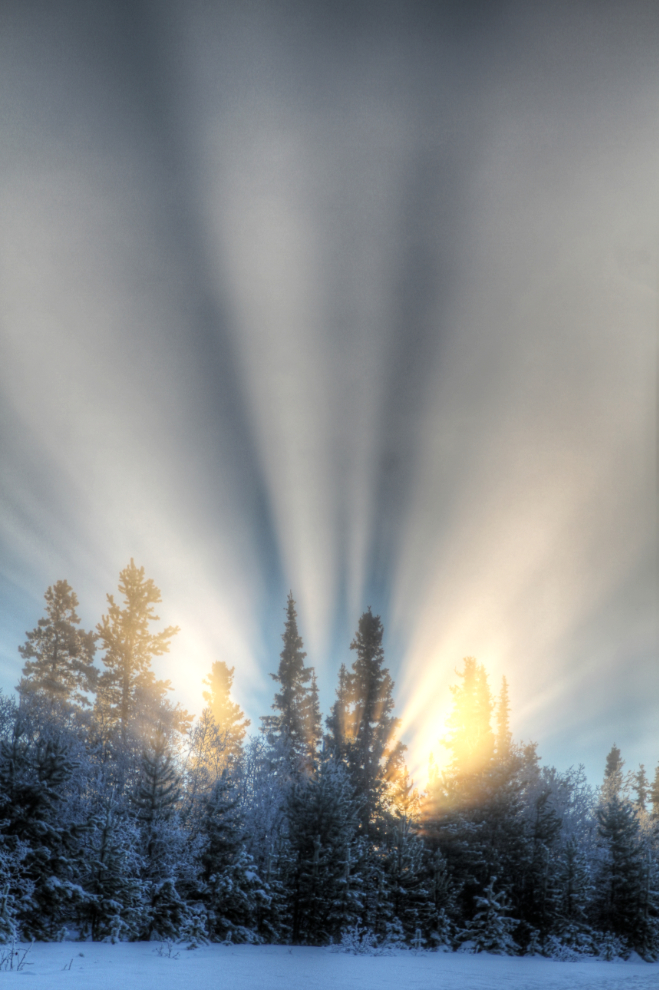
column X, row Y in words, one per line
column 294, row 725
column 622, row 881
column 411, row 881
column 128, row 687
column 654, row 794
column 491, row 928
column 322, row 883
column 374, row 757
column 236, row 899
column 38, row 834
column 612, row 774
column 228, row 716
column 313, row 719
column 155, row 799
column 575, row 883
column 111, row 875
column 58, row 655
column 339, row 722
column 542, row 895
column 641, row 787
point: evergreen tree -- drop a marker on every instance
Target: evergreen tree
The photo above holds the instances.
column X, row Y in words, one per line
column 612, row 774
column 322, row 882
column 228, row 716
column 58, row 655
column 641, row 787
column 111, row 876
column 541, row 902
column 294, row 725
column 374, row 757
column 491, row 927
column 339, row 723
column 413, row 879
column 155, row 798
column 624, row 901
column 575, row 887
column 128, row 687
column 313, row 719
column 654, row 794
column 236, row 899
column 38, row 834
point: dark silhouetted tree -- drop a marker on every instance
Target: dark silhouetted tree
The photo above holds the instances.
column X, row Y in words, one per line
column 374, row 756
column 322, row 884
column 293, row 728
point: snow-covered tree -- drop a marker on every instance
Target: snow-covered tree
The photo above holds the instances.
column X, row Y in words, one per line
column 321, row 877
column 491, row 928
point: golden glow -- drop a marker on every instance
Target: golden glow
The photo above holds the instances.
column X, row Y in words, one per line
column 529, row 507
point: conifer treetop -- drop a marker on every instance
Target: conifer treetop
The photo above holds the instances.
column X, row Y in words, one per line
column 130, row 647
column 58, row 655
column 297, row 724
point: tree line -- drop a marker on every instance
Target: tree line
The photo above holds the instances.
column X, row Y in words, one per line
column 122, row 817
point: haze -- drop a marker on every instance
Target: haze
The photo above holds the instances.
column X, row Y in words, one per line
column 353, row 299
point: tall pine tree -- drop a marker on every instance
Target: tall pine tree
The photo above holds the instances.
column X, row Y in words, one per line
column 295, row 729
column 373, row 754
column 128, row 687
column 58, row 655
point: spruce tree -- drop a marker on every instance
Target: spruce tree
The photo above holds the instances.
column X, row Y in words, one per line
column 654, row 794
column 641, row 787
column 625, row 903
column 612, row 774
column 111, row 876
column 36, row 830
column 373, row 754
column 410, row 879
column 340, row 727
column 293, row 730
column 574, row 893
column 128, row 687
column 236, row 899
column 541, row 903
column 321, row 880
column 58, row 655
column 228, row 716
column 155, row 798
column 491, row 927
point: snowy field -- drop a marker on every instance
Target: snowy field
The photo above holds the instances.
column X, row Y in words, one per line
column 137, row 965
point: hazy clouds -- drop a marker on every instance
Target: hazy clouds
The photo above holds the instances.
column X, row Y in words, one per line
column 358, row 300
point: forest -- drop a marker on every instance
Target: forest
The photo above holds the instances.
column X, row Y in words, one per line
column 123, row 818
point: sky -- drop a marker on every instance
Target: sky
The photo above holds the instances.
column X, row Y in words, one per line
column 353, row 299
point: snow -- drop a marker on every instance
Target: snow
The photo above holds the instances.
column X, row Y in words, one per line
column 137, row 966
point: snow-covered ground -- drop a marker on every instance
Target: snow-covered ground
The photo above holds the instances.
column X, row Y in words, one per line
column 137, row 966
